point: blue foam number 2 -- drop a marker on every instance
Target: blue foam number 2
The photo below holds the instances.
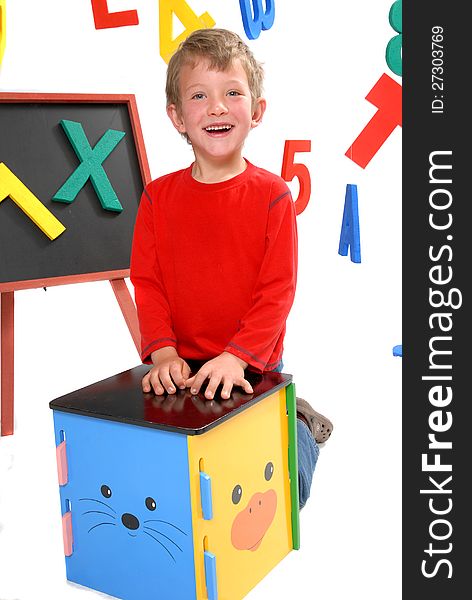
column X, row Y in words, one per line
column 260, row 20
column 350, row 232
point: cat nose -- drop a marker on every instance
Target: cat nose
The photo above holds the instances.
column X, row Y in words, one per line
column 130, row 521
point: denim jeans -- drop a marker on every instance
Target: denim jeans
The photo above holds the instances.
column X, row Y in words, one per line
column 308, row 451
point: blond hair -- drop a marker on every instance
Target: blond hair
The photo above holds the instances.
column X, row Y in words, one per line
column 220, row 47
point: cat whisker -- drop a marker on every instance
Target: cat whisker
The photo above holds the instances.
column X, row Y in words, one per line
column 99, row 512
column 165, row 547
column 163, row 535
column 166, row 522
column 99, row 524
column 99, row 501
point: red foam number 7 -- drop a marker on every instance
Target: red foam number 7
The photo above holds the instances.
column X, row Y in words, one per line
column 290, row 169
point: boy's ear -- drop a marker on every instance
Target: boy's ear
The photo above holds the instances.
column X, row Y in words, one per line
column 258, row 112
column 175, row 117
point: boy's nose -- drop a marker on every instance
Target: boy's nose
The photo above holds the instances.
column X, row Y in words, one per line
column 217, row 108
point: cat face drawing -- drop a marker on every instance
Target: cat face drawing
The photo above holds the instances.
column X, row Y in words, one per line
column 129, row 509
column 163, row 532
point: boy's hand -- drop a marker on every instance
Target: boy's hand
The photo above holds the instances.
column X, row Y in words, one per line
column 226, row 369
column 169, row 371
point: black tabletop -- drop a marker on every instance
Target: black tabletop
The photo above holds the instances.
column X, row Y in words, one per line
column 120, row 398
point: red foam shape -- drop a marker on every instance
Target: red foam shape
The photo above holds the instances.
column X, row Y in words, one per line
column 386, row 95
column 67, row 533
column 61, row 458
column 291, row 169
column 105, row 19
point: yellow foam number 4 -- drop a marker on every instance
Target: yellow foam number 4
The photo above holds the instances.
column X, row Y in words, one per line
column 3, row 29
column 11, row 186
column 167, row 8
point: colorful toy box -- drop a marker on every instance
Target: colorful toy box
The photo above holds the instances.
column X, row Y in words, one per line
column 176, row 497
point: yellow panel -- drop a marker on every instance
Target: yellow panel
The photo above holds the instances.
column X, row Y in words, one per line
column 3, row 29
column 11, row 186
column 248, row 538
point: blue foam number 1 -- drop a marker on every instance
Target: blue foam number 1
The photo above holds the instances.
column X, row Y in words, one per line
column 261, row 20
column 350, row 232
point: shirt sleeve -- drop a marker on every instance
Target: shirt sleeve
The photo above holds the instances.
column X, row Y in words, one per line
column 154, row 316
column 274, row 292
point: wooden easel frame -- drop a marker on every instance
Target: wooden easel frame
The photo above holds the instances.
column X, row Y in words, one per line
column 116, row 278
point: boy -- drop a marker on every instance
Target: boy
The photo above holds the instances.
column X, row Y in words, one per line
column 215, row 245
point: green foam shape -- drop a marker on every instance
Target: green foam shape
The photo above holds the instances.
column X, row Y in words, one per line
column 90, row 166
column 293, row 463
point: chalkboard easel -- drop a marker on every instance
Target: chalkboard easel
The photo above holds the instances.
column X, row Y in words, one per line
column 72, row 169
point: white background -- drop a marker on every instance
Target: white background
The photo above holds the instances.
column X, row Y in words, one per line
column 321, row 60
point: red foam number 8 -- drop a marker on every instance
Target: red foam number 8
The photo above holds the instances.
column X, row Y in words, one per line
column 291, row 169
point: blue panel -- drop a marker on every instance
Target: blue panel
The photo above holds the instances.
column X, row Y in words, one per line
column 210, row 576
column 131, row 510
column 205, row 495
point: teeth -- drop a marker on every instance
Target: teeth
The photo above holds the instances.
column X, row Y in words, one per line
column 218, row 128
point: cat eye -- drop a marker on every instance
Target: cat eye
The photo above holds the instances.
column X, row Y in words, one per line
column 106, row 491
column 150, row 503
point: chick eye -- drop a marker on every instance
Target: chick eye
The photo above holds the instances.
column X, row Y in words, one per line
column 150, row 503
column 269, row 471
column 237, row 494
column 106, row 491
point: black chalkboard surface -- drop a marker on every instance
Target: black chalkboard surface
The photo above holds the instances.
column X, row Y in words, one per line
column 96, row 243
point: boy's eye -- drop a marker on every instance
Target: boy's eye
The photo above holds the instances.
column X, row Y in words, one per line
column 198, row 96
column 233, row 93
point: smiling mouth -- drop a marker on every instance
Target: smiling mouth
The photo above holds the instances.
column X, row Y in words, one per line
column 218, row 129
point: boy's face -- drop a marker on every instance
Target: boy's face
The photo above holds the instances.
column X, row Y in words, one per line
column 216, row 110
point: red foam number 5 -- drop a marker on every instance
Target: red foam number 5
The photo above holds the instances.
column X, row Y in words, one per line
column 291, row 169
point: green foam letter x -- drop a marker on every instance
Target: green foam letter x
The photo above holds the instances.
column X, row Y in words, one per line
column 90, row 166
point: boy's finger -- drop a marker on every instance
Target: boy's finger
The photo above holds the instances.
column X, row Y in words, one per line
column 157, row 387
column 177, row 376
column 189, row 381
column 227, row 388
column 198, row 381
column 167, row 382
column 185, row 372
column 146, row 382
column 214, row 382
column 247, row 387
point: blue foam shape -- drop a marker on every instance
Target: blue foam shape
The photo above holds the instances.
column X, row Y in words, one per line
column 398, row 350
column 206, row 497
column 350, row 230
column 262, row 20
column 210, row 575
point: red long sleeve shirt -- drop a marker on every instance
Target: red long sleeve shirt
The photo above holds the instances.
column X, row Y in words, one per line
column 214, row 266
